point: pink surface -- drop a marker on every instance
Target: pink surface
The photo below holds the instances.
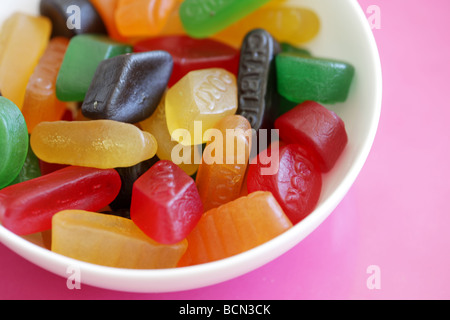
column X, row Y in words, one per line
column 395, row 218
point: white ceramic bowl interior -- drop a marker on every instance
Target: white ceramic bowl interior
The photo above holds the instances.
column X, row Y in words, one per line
column 345, row 34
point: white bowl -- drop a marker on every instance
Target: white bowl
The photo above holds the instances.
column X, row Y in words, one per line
column 345, row 34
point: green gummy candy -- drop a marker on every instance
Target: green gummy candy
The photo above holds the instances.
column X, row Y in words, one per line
column 30, row 169
column 203, row 18
column 83, row 55
column 13, row 141
column 302, row 78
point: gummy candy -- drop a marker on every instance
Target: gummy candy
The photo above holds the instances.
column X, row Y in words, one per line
column 235, row 227
column 83, row 55
column 13, row 141
column 205, row 18
column 110, row 240
column 192, row 54
column 23, row 40
column 157, row 126
column 165, row 203
column 106, row 9
column 40, row 102
column 103, row 144
column 143, row 18
column 219, row 177
column 302, row 78
column 30, row 169
column 28, row 207
column 206, row 96
column 296, row 185
column 317, row 129
column 296, row 25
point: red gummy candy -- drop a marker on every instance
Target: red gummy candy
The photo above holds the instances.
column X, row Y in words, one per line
column 165, row 203
column 296, row 185
column 192, row 54
column 28, row 207
column 317, row 129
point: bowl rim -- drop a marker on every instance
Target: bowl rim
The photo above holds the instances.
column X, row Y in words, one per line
column 192, row 277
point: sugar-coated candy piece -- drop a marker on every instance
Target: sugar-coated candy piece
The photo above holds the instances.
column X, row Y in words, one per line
column 72, row 17
column 257, row 84
column 143, row 18
column 13, row 141
column 296, row 185
column 40, row 102
column 319, row 130
column 23, row 39
column 102, row 144
column 30, row 169
column 129, row 176
column 184, row 156
column 235, row 227
column 165, row 203
column 129, row 87
column 111, row 241
column 202, row 19
column 83, row 55
column 302, row 78
column 28, row 207
column 192, row 54
column 295, row 24
column 224, row 163
column 202, row 97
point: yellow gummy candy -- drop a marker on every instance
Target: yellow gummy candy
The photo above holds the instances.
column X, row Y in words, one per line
column 157, row 126
column 102, row 144
column 23, row 40
column 110, row 241
column 198, row 101
column 295, row 25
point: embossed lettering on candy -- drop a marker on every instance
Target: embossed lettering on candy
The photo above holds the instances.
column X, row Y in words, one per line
column 203, row 96
column 257, row 91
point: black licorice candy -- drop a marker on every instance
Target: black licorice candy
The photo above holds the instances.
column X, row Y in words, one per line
column 129, row 87
column 257, row 86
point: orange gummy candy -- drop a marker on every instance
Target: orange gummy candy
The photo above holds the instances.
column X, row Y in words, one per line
column 40, row 102
column 143, row 18
column 224, row 162
column 235, row 227
column 106, row 9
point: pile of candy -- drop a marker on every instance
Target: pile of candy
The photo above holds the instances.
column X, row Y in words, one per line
column 106, row 105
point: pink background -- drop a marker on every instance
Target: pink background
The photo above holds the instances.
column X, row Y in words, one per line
column 395, row 217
